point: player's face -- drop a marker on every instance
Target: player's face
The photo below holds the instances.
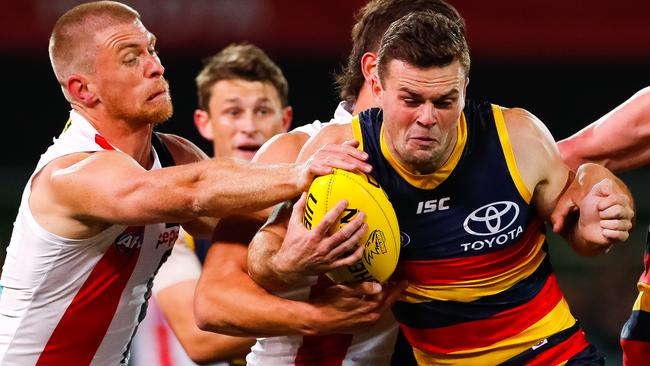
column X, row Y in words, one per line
column 243, row 115
column 128, row 77
column 422, row 108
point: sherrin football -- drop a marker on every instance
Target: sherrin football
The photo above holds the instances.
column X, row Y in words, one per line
column 363, row 193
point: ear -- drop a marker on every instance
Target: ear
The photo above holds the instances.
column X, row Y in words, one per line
column 203, row 124
column 287, row 116
column 377, row 90
column 368, row 64
column 78, row 88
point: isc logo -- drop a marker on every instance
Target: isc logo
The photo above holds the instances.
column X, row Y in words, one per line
column 433, row 205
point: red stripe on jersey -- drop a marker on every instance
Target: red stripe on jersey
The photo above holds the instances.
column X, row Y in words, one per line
column 635, row 353
column 561, row 352
column 101, row 141
column 484, row 332
column 163, row 339
column 453, row 270
column 325, row 350
column 82, row 328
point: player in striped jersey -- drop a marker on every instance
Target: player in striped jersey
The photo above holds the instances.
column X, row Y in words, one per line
column 471, row 184
column 225, row 288
column 619, row 140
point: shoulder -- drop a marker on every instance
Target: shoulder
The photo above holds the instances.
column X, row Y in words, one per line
column 281, row 148
column 182, row 149
column 526, row 131
column 536, row 154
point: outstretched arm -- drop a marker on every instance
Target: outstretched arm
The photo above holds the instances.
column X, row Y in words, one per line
column 618, row 140
column 77, row 188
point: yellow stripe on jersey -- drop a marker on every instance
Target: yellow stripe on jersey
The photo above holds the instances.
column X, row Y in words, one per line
column 356, row 131
column 509, row 154
column 189, row 240
column 558, row 319
column 67, row 124
column 471, row 290
column 429, row 181
column 643, row 300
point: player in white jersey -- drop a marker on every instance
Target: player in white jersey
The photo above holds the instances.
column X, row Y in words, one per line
column 242, row 102
column 97, row 216
column 225, row 288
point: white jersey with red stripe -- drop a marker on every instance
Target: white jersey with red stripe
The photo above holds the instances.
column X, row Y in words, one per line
column 369, row 346
column 76, row 302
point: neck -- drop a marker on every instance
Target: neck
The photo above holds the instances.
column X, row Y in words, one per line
column 129, row 137
column 365, row 99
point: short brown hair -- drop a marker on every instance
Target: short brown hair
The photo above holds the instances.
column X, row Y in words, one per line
column 371, row 23
column 74, row 30
column 423, row 39
column 240, row 61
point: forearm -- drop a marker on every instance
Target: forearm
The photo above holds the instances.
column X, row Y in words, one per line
column 209, row 188
column 262, row 267
column 618, row 140
column 176, row 302
column 239, row 307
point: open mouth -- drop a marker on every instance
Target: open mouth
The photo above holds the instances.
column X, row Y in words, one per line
column 252, row 148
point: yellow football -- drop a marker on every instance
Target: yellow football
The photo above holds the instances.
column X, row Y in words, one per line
column 363, row 193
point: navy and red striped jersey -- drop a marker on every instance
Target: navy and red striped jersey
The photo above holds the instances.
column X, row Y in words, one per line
column 481, row 288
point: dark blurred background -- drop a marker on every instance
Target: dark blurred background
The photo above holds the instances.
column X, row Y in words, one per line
column 568, row 62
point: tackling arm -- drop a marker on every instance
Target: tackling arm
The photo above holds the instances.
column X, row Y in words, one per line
column 619, row 140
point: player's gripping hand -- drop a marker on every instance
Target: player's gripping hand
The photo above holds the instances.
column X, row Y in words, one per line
column 345, row 308
column 344, row 156
column 308, row 252
column 606, row 215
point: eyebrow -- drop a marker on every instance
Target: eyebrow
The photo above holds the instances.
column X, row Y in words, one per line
column 450, row 93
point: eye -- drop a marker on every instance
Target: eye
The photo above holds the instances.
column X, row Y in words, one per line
column 153, row 52
column 233, row 112
column 130, row 59
column 445, row 103
column 410, row 102
column 263, row 111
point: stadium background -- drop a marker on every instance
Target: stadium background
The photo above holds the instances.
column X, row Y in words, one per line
column 567, row 61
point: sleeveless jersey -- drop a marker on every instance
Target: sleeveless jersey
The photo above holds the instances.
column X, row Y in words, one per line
column 369, row 346
column 481, row 289
column 77, row 302
column 635, row 335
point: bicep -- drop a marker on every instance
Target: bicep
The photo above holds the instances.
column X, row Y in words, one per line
column 112, row 187
column 538, row 159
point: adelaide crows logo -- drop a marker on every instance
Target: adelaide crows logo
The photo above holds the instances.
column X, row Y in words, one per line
column 375, row 245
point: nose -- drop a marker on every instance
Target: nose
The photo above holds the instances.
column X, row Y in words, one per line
column 247, row 123
column 155, row 68
column 426, row 115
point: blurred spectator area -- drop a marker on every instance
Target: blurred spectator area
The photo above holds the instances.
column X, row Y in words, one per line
column 567, row 61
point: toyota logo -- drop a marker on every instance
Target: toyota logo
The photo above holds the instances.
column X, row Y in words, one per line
column 492, row 218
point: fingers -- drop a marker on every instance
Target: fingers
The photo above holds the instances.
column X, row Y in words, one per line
column 564, row 207
column 603, row 188
column 330, row 218
column 616, row 235
column 392, row 292
column 347, row 238
column 343, row 156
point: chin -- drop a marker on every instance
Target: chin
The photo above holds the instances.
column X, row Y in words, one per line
column 244, row 154
column 162, row 114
